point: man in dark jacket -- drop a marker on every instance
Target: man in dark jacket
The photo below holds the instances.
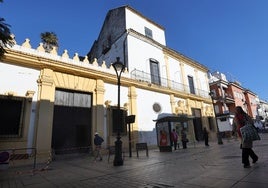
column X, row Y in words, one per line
column 97, row 142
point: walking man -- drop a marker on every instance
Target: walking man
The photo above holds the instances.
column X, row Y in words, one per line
column 97, row 142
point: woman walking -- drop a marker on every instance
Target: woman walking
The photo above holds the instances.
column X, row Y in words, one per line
column 241, row 117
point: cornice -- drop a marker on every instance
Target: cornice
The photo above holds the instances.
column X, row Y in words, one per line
column 187, row 60
column 168, row 51
column 33, row 61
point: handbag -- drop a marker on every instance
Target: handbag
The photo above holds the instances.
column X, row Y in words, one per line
column 249, row 133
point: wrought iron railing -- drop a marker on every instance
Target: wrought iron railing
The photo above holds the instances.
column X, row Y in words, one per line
column 164, row 82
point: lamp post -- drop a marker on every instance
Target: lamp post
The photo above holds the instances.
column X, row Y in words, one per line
column 212, row 95
column 119, row 67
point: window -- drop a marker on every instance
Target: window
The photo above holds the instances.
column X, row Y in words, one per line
column 11, row 115
column 155, row 75
column 191, row 84
column 148, row 32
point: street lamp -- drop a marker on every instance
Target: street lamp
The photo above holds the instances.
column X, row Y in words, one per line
column 212, row 95
column 119, row 67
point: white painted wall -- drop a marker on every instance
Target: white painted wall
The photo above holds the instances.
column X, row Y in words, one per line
column 146, row 115
column 111, row 94
column 19, row 80
column 139, row 54
column 189, row 71
column 175, row 71
column 203, row 79
column 137, row 23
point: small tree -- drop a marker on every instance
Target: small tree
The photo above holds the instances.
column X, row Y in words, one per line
column 49, row 40
column 6, row 39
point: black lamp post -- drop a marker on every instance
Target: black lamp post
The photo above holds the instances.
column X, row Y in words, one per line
column 119, row 67
column 212, row 95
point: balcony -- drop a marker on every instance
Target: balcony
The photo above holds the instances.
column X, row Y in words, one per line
column 228, row 98
column 164, row 82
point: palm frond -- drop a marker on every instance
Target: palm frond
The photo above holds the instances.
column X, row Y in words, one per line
column 5, row 36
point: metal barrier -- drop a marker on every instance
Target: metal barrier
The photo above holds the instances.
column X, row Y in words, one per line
column 17, row 154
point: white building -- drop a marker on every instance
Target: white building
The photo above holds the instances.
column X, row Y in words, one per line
column 172, row 77
column 65, row 100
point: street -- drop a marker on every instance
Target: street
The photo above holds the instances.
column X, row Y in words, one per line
column 197, row 166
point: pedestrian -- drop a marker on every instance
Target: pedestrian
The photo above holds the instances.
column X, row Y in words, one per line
column 205, row 133
column 174, row 137
column 163, row 138
column 241, row 117
column 184, row 139
column 98, row 140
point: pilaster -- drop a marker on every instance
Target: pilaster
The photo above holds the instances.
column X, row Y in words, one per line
column 183, row 76
column 172, row 103
column 98, row 108
column 132, row 98
column 45, row 106
column 167, row 71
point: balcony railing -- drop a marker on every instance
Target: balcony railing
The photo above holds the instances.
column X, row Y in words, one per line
column 164, row 82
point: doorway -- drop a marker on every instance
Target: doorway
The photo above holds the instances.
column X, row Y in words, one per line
column 197, row 124
column 71, row 132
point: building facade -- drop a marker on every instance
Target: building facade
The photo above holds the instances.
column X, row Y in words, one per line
column 228, row 95
column 140, row 43
column 61, row 102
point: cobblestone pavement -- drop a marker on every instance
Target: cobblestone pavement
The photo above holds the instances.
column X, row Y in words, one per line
column 197, row 166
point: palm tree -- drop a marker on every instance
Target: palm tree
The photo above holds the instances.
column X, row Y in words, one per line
column 49, row 40
column 6, row 39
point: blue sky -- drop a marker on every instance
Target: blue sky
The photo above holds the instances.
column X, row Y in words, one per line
column 229, row 36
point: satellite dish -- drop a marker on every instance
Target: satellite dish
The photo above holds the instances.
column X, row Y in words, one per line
column 157, row 107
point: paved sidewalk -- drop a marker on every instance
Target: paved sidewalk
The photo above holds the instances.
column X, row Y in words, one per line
column 197, row 166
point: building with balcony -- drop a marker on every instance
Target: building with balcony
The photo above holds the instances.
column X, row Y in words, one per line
column 60, row 102
column 140, row 43
column 228, row 95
